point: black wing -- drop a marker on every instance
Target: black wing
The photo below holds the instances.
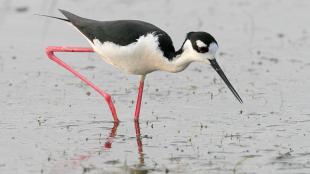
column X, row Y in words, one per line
column 121, row 32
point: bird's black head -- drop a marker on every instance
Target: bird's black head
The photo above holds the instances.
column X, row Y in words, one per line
column 202, row 42
column 202, row 46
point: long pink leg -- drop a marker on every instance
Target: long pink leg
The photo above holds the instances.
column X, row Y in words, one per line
column 50, row 53
column 139, row 99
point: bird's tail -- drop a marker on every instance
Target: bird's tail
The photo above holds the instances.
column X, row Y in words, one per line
column 53, row 17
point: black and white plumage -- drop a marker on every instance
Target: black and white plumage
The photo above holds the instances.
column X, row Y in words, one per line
column 131, row 31
column 138, row 47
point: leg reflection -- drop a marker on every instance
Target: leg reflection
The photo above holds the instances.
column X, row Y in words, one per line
column 75, row 162
column 139, row 143
column 140, row 167
column 108, row 143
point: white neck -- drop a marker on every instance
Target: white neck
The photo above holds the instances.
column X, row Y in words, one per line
column 181, row 61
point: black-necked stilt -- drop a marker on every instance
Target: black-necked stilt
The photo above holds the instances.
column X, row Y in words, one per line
column 138, row 47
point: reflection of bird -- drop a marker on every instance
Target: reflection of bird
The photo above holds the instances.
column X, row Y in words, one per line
column 77, row 160
column 138, row 47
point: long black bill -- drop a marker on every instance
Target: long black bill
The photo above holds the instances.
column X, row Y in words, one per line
column 218, row 69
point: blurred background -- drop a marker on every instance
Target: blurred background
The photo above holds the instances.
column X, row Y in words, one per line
column 51, row 122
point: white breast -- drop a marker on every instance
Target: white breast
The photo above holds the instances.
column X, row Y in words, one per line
column 140, row 57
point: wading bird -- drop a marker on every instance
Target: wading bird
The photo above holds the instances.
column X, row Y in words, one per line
column 139, row 48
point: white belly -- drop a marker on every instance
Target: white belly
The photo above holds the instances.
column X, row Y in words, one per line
column 141, row 57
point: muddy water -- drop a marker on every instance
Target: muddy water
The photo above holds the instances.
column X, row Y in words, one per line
column 190, row 123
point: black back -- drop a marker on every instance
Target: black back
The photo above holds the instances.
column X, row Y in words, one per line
column 121, row 32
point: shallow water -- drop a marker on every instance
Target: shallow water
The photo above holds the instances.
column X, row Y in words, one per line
column 190, row 122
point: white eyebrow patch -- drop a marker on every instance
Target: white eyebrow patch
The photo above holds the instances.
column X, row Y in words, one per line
column 200, row 43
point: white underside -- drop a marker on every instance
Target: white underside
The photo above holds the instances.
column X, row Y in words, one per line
column 140, row 57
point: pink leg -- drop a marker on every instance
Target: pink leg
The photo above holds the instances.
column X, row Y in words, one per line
column 50, row 53
column 139, row 99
